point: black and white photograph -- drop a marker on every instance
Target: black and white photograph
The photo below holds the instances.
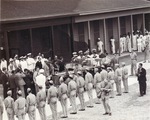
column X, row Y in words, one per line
column 74, row 59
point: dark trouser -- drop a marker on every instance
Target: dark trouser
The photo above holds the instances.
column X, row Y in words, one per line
column 142, row 87
column 5, row 89
column 14, row 93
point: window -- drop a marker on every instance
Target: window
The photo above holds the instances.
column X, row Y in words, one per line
column 96, row 31
column 81, row 32
column 122, row 25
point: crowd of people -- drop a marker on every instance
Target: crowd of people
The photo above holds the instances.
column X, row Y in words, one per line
column 137, row 42
column 28, row 82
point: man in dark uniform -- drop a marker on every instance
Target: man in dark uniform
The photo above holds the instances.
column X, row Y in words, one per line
column 141, row 74
column 13, row 84
column 39, row 63
column 5, row 83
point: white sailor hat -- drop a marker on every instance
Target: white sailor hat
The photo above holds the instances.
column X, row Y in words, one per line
column 28, row 54
column 15, row 56
column 61, row 79
column 79, row 72
column 99, row 38
column 24, row 57
column 21, row 57
column 29, row 90
column 41, row 71
column 19, row 92
column 10, row 60
column 102, row 66
column 93, row 50
column 80, row 51
column 9, row 92
column 74, row 53
column 123, row 63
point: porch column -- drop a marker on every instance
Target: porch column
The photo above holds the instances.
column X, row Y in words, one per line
column 6, row 45
column 132, row 31
column 144, row 24
column 52, row 30
column 105, row 38
column 119, row 33
column 31, row 39
column 89, row 36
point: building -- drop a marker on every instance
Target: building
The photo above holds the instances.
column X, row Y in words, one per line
column 59, row 27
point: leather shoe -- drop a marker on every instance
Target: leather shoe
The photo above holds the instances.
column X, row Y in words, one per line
column 106, row 113
column 81, row 109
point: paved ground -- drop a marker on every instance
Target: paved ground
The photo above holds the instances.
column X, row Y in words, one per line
column 127, row 107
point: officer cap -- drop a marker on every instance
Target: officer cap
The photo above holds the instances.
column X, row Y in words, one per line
column 9, row 92
column 87, row 68
column 123, row 63
column 71, row 76
column 117, row 65
column 41, row 71
column 19, row 92
column 109, row 68
column 79, row 72
column 51, row 82
column 102, row 66
column 29, row 90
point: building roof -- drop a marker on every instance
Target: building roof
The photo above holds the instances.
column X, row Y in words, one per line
column 26, row 10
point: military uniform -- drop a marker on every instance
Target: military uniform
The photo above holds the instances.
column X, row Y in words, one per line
column 62, row 92
column 72, row 91
column 105, row 91
column 125, row 78
column 30, row 106
column 133, row 57
column 89, row 87
column 80, row 86
column 52, row 101
column 20, row 104
column 1, row 109
column 41, row 101
column 97, row 81
column 103, row 74
column 111, row 77
column 9, row 105
column 118, row 79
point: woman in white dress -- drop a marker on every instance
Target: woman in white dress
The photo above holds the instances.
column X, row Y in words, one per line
column 139, row 43
column 113, row 45
column 134, row 42
column 128, row 39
